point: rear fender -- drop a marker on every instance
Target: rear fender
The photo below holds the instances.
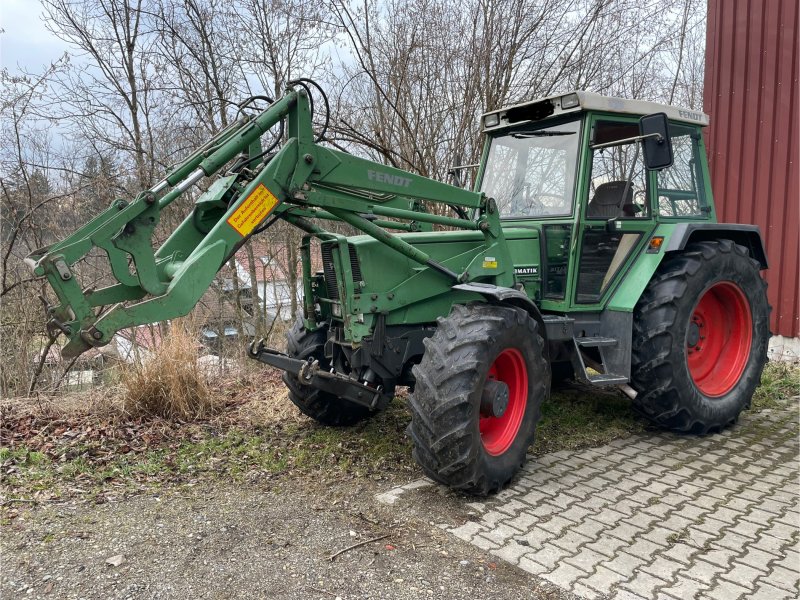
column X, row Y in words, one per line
column 748, row 236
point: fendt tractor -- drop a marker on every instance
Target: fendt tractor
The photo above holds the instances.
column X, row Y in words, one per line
column 589, row 248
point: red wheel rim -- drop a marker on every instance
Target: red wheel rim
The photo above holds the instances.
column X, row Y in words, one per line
column 498, row 433
column 718, row 339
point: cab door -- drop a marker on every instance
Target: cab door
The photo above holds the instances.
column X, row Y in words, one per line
column 616, row 210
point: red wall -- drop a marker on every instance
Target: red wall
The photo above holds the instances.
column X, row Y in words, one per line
column 751, row 93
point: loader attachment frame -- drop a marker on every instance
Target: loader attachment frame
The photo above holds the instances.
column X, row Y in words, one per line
column 303, row 183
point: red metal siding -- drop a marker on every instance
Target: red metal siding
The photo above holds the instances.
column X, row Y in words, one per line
column 751, row 93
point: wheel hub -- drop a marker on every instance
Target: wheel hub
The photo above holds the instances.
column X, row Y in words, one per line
column 693, row 335
column 494, row 400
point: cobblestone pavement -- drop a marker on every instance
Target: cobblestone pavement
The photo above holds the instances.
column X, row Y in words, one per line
column 651, row 516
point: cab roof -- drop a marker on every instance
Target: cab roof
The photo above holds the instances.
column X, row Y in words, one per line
column 579, row 101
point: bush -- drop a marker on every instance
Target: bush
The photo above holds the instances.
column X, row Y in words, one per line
column 169, row 383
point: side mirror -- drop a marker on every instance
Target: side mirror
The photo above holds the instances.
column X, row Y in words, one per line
column 654, row 129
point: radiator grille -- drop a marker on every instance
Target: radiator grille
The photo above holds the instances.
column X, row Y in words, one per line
column 329, row 268
column 355, row 266
column 330, row 271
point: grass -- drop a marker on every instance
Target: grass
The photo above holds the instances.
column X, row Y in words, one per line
column 779, row 382
column 585, row 417
column 377, row 449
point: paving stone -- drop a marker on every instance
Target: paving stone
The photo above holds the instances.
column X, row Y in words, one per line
column 683, row 553
column 703, row 571
column 713, row 526
column 658, row 510
column 513, row 507
column 784, row 578
column 726, row 590
column 749, row 529
column 603, row 579
column 765, row 591
column 586, row 559
column 500, row 533
column 531, row 566
column 564, row 575
column 548, row 555
column 523, row 521
column 625, row 531
column 609, row 517
column 556, row 524
column 654, row 515
column 742, row 575
column 719, row 556
column 770, row 544
column 571, row 541
column 585, row 592
column 757, row 559
column 537, row 536
column 484, row 543
column 661, row 536
column 625, row 564
column 644, row 584
column 641, row 520
column 511, row 552
column 663, row 568
column 606, row 545
column 590, row 528
column 762, row 517
column 684, row 588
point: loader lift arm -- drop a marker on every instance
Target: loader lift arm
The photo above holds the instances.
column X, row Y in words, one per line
column 301, row 181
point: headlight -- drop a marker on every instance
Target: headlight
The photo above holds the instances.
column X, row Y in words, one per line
column 492, row 120
column 570, row 101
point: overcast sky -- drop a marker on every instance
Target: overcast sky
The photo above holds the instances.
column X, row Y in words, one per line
column 25, row 42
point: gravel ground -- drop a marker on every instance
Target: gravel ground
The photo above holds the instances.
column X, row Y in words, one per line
column 250, row 540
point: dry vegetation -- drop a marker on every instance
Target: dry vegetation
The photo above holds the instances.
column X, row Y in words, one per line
column 169, row 383
column 88, row 447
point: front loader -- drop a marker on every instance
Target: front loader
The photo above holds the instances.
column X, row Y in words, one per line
column 589, row 248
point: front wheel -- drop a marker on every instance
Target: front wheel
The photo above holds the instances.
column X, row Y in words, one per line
column 478, row 395
column 701, row 331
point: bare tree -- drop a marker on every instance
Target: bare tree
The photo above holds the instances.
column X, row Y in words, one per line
column 111, row 95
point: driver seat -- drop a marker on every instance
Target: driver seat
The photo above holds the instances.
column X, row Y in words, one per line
column 607, row 202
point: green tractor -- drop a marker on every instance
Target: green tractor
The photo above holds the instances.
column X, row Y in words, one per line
column 588, row 248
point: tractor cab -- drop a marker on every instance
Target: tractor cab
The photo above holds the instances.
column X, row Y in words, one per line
column 596, row 176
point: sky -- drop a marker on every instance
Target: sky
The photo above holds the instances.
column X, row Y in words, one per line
column 25, row 42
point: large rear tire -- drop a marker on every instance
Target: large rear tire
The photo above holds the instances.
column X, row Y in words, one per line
column 700, row 336
column 320, row 406
column 457, row 440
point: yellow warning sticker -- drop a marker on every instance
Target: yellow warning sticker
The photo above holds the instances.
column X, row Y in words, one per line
column 489, row 262
column 253, row 210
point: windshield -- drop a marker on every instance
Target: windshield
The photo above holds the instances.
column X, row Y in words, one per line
column 531, row 172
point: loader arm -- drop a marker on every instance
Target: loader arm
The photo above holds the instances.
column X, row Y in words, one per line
column 303, row 183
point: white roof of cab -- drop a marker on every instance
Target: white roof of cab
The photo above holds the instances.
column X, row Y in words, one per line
column 592, row 101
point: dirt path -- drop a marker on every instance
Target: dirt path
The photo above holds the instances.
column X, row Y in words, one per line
column 248, row 541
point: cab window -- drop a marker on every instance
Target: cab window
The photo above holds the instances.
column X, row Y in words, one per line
column 680, row 187
column 618, row 183
column 531, row 172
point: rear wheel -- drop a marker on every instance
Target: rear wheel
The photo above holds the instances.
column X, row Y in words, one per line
column 320, row 406
column 478, row 396
column 701, row 331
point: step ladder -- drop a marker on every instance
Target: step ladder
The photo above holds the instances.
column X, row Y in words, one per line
column 581, row 362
